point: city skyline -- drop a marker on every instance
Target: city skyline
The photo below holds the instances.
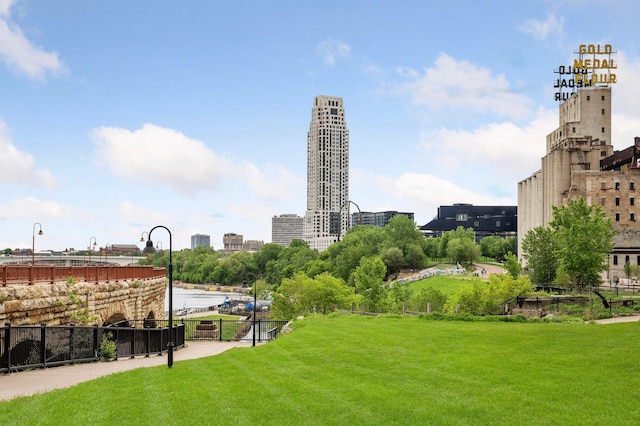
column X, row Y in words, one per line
column 194, row 115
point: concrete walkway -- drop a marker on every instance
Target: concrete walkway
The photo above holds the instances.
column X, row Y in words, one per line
column 25, row 383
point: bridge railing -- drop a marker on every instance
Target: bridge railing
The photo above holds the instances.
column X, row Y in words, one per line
column 31, row 274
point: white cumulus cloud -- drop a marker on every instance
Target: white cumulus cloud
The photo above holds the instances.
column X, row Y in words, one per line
column 30, row 207
column 154, row 154
column 462, row 86
column 330, row 50
column 498, row 154
column 541, row 30
column 20, row 54
column 273, row 183
column 18, row 166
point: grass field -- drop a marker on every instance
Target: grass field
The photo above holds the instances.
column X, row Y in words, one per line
column 446, row 284
column 351, row 370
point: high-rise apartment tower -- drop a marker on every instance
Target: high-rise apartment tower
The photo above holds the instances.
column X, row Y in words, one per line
column 327, row 215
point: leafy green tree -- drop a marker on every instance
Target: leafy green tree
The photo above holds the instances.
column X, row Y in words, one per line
column 289, row 300
column 368, row 279
column 583, row 236
column 400, row 295
column 360, row 241
column 316, row 267
column 512, row 265
column 290, row 261
column 301, row 295
column 459, row 233
column 487, row 298
column 269, row 251
column 393, row 259
column 224, row 274
column 421, row 300
column 470, row 299
column 497, row 247
column 464, row 251
column 414, row 257
column 330, row 293
column 431, row 247
column 539, row 250
column 402, row 232
column 504, row 287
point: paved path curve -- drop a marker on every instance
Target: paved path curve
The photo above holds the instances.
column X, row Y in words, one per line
column 490, row 268
column 32, row 382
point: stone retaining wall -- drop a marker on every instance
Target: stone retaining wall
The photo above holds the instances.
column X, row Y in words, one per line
column 56, row 304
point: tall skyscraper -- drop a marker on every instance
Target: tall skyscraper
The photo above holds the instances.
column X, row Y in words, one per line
column 327, row 215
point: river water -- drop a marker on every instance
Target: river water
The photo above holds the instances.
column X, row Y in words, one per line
column 198, row 298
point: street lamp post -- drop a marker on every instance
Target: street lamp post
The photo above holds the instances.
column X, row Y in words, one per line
column 255, row 301
column 106, row 253
column 340, row 215
column 149, row 249
column 91, row 248
column 33, row 242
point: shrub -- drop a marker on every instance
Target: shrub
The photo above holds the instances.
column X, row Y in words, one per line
column 108, row 348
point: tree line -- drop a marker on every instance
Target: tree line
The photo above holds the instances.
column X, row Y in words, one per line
column 358, row 272
column 354, row 272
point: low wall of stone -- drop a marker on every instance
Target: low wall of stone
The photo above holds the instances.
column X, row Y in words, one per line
column 62, row 303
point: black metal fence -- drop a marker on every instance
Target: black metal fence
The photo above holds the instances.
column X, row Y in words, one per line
column 232, row 330
column 25, row 347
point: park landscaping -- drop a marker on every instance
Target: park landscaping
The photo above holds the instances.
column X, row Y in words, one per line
column 346, row 369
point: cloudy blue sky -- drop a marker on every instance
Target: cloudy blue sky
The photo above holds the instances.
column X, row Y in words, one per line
column 116, row 116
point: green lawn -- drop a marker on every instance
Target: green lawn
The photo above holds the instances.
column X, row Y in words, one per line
column 446, row 284
column 351, row 370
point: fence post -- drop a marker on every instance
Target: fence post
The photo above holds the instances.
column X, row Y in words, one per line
column 72, row 345
column 43, row 343
column 259, row 330
column 133, row 342
column 220, row 330
column 148, row 333
column 117, row 342
column 96, row 345
column 7, row 344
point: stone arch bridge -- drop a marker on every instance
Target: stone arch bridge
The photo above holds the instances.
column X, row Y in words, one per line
column 57, row 295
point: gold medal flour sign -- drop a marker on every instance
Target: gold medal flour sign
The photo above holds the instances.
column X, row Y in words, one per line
column 593, row 67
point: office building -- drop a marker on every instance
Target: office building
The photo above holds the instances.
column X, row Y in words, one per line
column 200, row 240
column 326, row 217
column 252, row 245
column 286, row 228
column 484, row 220
column 376, row 218
column 232, row 242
